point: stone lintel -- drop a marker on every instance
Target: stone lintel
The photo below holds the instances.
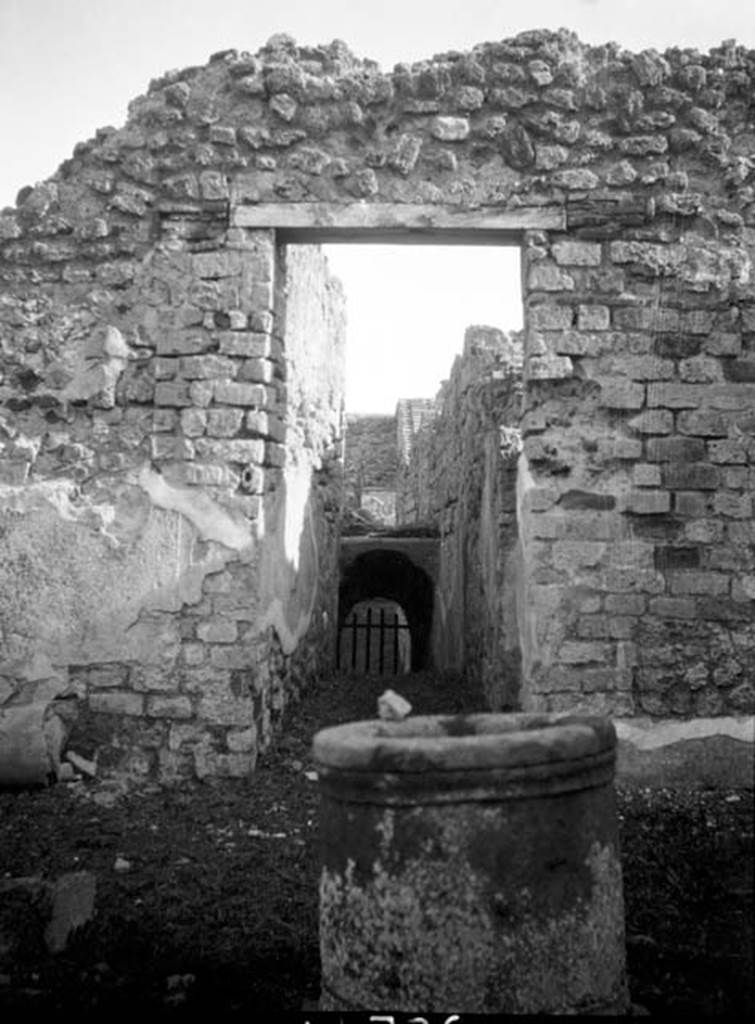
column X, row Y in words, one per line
column 400, row 222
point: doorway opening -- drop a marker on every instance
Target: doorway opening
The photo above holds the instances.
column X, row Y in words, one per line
column 375, row 639
column 419, row 318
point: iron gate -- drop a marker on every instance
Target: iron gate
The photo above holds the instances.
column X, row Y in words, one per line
column 372, row 641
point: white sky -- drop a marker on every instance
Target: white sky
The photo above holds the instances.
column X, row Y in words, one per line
column 68, row 67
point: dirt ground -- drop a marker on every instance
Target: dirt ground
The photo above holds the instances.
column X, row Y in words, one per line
column 207, row 894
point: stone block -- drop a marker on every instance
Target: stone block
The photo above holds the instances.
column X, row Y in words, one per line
column 668, row 557
column 221, row 707
column 675, row 396
column 570, row 555
column 193, row 653
column 736, row 478
column 450, row 129
column 193, row 422
column 549, row 278
column 593, row 318
column 735, row 506
column 574, row 343
column 106, row 677
column 275, row 454
column 218, row 631
column 575, row 652
column 648, row 502
column 652, row 421
column 258, row 371
column 626, row 448
column 202, row 475
column 740, row 533
column 246, row 344
column 549, row 367
column 163, row 446
column 164, row 368
column 672, row 607
column 183, row 343
column 646, row 474
column 704, row 531
column 733, row 451
column 675, row 449
column 577, row 254
column 605, row 680
column 643, row 145
column 711, row 583
column 207, row 367
column 722, row 344
column 546, row 526
column 578, row 499
column 224, row 422
column 702, row 423
column 632, row 551
column 719, row 609
column 230, row 392
column 621, row 394
column 213, row 265
column 549, row 317
column 153, row 678
column 691, row 503
column 633, row 580
column 169, row 707
column 639, row 367
column 596, row 627
column 594, row 526
column 234, row 450
column 230, row 657
column 741, row 370
column 210, row 764
column 172, row 393
column 117, row 703
column 690, row 476
column 625, row 604
column 164, row 420
column 200, row 392
column 242, row 741
column 634, row 318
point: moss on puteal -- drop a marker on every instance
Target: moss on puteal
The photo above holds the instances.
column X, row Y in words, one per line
column 429, row 936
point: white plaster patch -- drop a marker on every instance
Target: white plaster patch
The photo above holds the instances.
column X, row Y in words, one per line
column 298, row 483
column 210, row 521
column 289, row 578
column 651, row 734
column 99, row 375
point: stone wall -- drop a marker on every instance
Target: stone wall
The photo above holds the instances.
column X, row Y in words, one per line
column 145, row 410
column 461, row 475
column 172, row 491
column 370, row 462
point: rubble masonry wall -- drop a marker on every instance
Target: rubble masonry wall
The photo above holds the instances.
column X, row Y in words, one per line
column 461, row 475
column 138, row 326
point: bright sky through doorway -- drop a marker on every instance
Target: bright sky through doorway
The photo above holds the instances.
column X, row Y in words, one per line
column 407, row 310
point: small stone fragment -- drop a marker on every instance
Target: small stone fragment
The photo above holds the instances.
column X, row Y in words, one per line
column 82, row 764
column 392, row 707
column 450, row 129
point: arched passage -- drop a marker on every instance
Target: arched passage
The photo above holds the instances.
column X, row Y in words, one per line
column 391, row 575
